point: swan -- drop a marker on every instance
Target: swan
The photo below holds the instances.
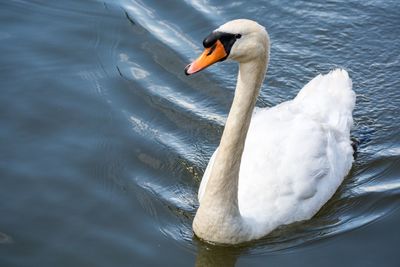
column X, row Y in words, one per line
column 274, row 166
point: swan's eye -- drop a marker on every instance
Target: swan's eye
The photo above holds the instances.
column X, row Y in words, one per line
column 238, row 36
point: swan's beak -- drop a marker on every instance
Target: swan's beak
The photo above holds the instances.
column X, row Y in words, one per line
column 210, row 55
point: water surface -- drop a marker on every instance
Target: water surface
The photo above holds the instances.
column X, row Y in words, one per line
column 104, row 140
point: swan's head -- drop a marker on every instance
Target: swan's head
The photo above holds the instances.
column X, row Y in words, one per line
column 241, row 40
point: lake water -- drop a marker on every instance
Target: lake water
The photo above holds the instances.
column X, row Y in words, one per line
column 104, row 140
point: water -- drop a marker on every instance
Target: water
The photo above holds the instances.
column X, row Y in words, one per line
column 104, row 139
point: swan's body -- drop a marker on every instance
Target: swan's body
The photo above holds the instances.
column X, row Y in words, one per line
column 278, row 165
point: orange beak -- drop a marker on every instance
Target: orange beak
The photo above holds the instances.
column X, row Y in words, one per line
column 210, row 55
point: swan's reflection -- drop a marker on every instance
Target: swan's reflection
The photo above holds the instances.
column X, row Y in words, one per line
column 216, row 256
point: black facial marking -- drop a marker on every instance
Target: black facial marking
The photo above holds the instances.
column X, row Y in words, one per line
column 227, row 39
column 212, row 49
column 211, row 39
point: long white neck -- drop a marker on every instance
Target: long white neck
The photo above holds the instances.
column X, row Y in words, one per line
column 218, row 218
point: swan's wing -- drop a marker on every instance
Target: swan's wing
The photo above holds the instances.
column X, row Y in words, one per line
column 297, row 154
column 206, row 175
column 329, row 99
column 290, row 167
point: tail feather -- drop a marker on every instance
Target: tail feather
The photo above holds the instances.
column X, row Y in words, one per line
column 329, row 99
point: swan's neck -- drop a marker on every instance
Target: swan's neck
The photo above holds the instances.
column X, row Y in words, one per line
column 218, row 218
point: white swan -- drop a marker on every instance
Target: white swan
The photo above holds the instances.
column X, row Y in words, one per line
column 278, row 165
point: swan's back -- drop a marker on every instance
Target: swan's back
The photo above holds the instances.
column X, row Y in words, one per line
column 329, row 99
column 296, row 154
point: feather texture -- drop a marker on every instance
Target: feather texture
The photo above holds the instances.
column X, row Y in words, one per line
column 296, row 155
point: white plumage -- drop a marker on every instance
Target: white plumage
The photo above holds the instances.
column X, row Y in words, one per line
column 296, row 154
column 273, row 166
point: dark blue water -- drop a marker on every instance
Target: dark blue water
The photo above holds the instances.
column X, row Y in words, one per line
column 104, row 140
